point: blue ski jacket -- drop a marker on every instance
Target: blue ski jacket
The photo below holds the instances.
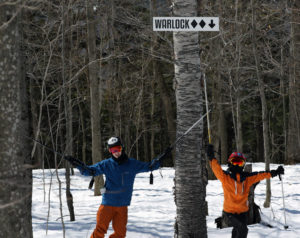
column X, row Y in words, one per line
column 119, row 179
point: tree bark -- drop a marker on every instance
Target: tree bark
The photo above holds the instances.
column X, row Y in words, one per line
column 168, row 109
column 239, row 131
column 94, row 94
column 294, row 87
column 264, row 108
column 82, row 125
column 68, row 117
column 15, row 162
column 223, row 134
column 37, row 159
column 190, row 169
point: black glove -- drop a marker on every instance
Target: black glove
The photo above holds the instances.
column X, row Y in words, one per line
column 161, row 157
column 164, row 155
column 74, row 161
column 278, row 171
column 71, row 159
column 87, row 171
column 210, row 152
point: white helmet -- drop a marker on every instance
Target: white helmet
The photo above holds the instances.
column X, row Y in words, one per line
column 114, row 141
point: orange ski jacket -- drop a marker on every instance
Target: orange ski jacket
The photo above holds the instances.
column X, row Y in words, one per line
column 236, row 187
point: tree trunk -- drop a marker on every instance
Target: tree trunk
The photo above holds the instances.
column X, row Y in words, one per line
column 264, row 109
column 223, row 134
column 37, row 159
column 15, row 168
column 68, row 118
column 190, row 169
column 283, row 96
column 213, row 118
column 239, row 142
column 222, row 111
column 82, row 125
column 259, row 140
column 152, row 84
column 168, row 109
column 152, row 114
column 239, row 131
column 94, row 94
column 294, row 87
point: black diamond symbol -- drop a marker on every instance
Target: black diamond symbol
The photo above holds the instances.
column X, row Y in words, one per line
column 194, row 23
column 202, row 23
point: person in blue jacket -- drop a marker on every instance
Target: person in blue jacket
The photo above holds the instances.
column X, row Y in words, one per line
column 120, row 172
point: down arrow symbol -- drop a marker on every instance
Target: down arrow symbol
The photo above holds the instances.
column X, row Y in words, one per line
column 211, row 24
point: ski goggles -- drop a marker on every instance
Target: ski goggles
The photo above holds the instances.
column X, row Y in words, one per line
column 237, row 161
column 115, row 149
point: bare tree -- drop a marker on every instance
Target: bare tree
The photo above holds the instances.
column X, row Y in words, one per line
column 265, row 120
column 94, row 92
column 67, row 110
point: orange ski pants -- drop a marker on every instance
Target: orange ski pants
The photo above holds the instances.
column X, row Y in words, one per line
column 106, row 214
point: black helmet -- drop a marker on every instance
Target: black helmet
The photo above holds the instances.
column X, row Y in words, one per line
column 114, row 141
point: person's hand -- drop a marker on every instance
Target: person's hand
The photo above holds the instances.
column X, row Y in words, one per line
column 160, row 157
column 71, row 159
column 164, row 154
column 210, row 152
column 87, row 171
column 278, row 171
column 75, row 162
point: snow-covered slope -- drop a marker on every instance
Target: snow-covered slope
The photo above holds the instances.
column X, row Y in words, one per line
column 152, row 211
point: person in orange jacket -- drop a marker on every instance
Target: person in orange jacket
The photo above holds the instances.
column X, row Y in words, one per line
column 236, row 186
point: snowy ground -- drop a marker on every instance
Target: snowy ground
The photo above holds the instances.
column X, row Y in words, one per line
column 152, row 209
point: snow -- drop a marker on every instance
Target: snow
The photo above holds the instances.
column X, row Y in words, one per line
column 152, row 211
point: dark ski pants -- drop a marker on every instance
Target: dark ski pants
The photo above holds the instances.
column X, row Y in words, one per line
column 239, row 224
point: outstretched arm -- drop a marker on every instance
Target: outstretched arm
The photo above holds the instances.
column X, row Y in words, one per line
column 93, row 170
column 141, row 167
column 257, row 176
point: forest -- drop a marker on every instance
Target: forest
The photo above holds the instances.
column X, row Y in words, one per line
column 73, row 73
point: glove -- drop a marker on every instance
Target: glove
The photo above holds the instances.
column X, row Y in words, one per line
column 210, row 152
column 71, row 160
column 80, row 166
column 164, row 155
column 278, row 171
column 87, row 171
column 161, row 157
column 75, row 162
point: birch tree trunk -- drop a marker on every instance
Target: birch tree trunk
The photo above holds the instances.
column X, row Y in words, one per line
column 15, row 172
column 190, row 170
column 94, row 93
